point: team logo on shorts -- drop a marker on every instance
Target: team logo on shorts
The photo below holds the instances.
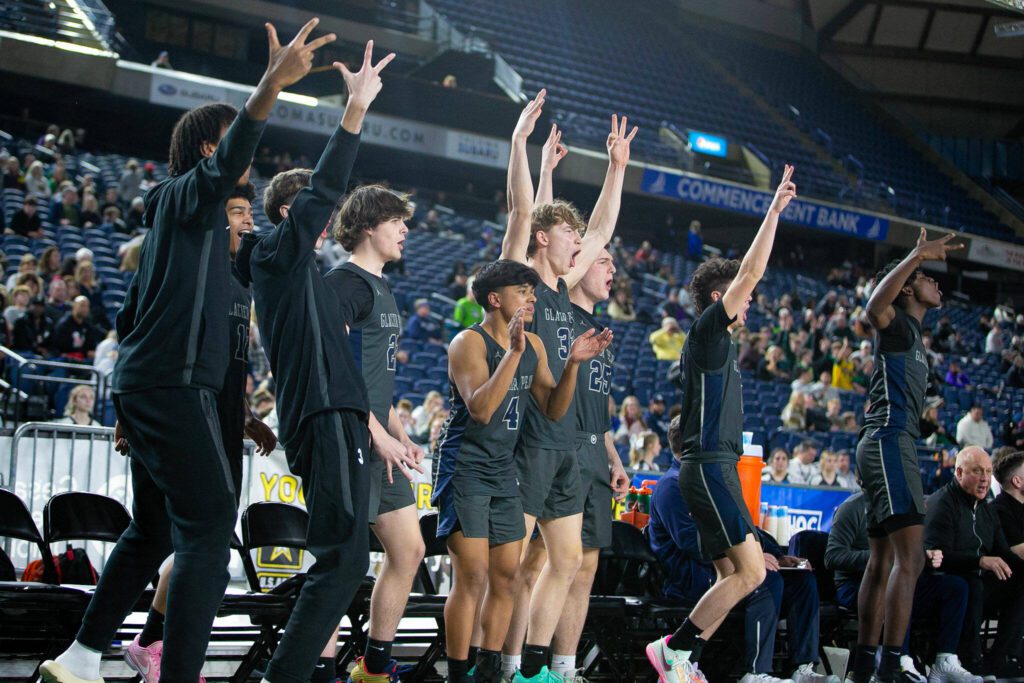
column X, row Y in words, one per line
column 593, row 439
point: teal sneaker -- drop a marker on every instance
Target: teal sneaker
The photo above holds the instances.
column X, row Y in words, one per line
column 543, row 676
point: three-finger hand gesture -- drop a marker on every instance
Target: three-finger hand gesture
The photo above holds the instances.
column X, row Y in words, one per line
column 785, row 192
column 553, row 151
column 364, row 84
column 528, row 117
column 618, row 141
column 288, row 64
column 589, row 345
column 936, row 250
column 517, row 332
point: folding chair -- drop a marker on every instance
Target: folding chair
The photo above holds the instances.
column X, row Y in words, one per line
column 81, row 516
column 428, row 604
column 835, row 621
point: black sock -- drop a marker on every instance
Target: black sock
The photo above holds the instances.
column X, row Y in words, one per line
column 488, row 665
column 153, row 630
column 864, row 662
column 698, row 648
column 890, row 664
column 473, row 652
column 535, row 658
column 457, row 670
column 324, row 671
column 686, row 637
column 377, row 655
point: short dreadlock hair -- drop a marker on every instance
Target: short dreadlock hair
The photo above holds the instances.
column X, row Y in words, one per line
column 888, row 268
column 246, row 192
column 712, row 275
column 200, row 125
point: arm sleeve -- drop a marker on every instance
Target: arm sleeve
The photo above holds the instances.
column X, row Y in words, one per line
column 215, row 177
column 354, row 295
column 840, row 553
column 289, row 246
column 939, row 532
column 709, row 341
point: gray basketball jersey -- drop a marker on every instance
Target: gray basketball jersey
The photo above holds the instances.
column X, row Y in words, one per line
column 374, row 342
column 898, row 383
column 553, row 323
column 479, row 457
column 593, row 381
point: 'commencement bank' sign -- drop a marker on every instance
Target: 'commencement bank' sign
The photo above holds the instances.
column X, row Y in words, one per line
column 746, row 200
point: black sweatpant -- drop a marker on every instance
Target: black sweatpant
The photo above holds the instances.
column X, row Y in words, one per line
column 1005, row 601
column 183, row 502
column 332, row 458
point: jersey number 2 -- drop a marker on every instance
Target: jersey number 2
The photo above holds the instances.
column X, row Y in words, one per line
column 600, row 377
column 511, row 418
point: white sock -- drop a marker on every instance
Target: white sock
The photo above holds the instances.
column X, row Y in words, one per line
column 81, row 661
column 563, row 664
column 510, row 664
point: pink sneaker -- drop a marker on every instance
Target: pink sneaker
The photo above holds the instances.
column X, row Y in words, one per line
column 145, row 660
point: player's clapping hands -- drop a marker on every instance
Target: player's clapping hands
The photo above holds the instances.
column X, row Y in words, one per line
column 589, row 345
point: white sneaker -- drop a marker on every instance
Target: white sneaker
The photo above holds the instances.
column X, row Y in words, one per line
column 671, row 665
column 909, row 671
column 805, row 673
column 950, row 670
column 763, row 678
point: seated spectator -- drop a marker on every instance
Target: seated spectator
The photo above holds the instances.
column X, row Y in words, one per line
column 804, row 379
column 672, row 308
column 667, row 341
column 843, row 368
column 672, row 535
column 26, row 220
column 838, row 328
column 423, row 413
column 131, row 178
column 458, row 286
column 752, row 352
column 777, row 471
column 828, row 474
column 643, row 449
column 801, row 467
column 162, row 61
column 106, row 354
column 78, row 410
column 110, row 200
column 847, row 479
column 849, row 421
column 862, row 371
column 864, row 351
column 932, row 430
column 994, row 340
column 467, row 311
column 772, row 366
column 834, row 413
column 36, row 182
column 794, row 414
column 57, row 300
column 49, row 264
column 13, row 178
column 656, row 418
column 1014, row 377
column 89, row 287
column 265, row 407
column 91, row 212
column 631, row 420
column 955, row 377
column 1009, row 504
column 136, row 218
column 112, row 220
column 20, row 297
column 822, row 390
column 826, row 355
column 404, row 410
column 973, row 430
column 939, row 599
column 33, row 330
column 66, row 210
column 130, row 258
column 621, row 306
column 423, row 328
column 966, row 530
column 436, row 427
column 74, row 336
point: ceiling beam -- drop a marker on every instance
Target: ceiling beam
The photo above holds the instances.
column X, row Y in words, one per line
column 841, row 19
column 980, row 36
column 874, row 25
column 938, row 56
column 926, row 30
column 990, row 10
column 947, row 101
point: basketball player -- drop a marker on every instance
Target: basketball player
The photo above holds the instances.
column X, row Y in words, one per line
column 492, row 366
column 547, row 237
column 712, row 441
column 887, row 459
column 322, row 401
column 169, row 371
column 371, row 225
column 236, row 422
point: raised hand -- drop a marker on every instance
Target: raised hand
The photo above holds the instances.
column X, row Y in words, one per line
column 528, row 117
column 936, row 250
column 589, row 345
column 785, row 192
column 364, row 84
column 289, row 64
column 553, row 150
column 618, row 141
column 517, row 332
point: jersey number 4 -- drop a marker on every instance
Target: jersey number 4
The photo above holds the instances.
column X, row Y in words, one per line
column 511, row 418
column 600, row 377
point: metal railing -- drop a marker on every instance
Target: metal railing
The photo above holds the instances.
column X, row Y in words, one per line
column 21, row 370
